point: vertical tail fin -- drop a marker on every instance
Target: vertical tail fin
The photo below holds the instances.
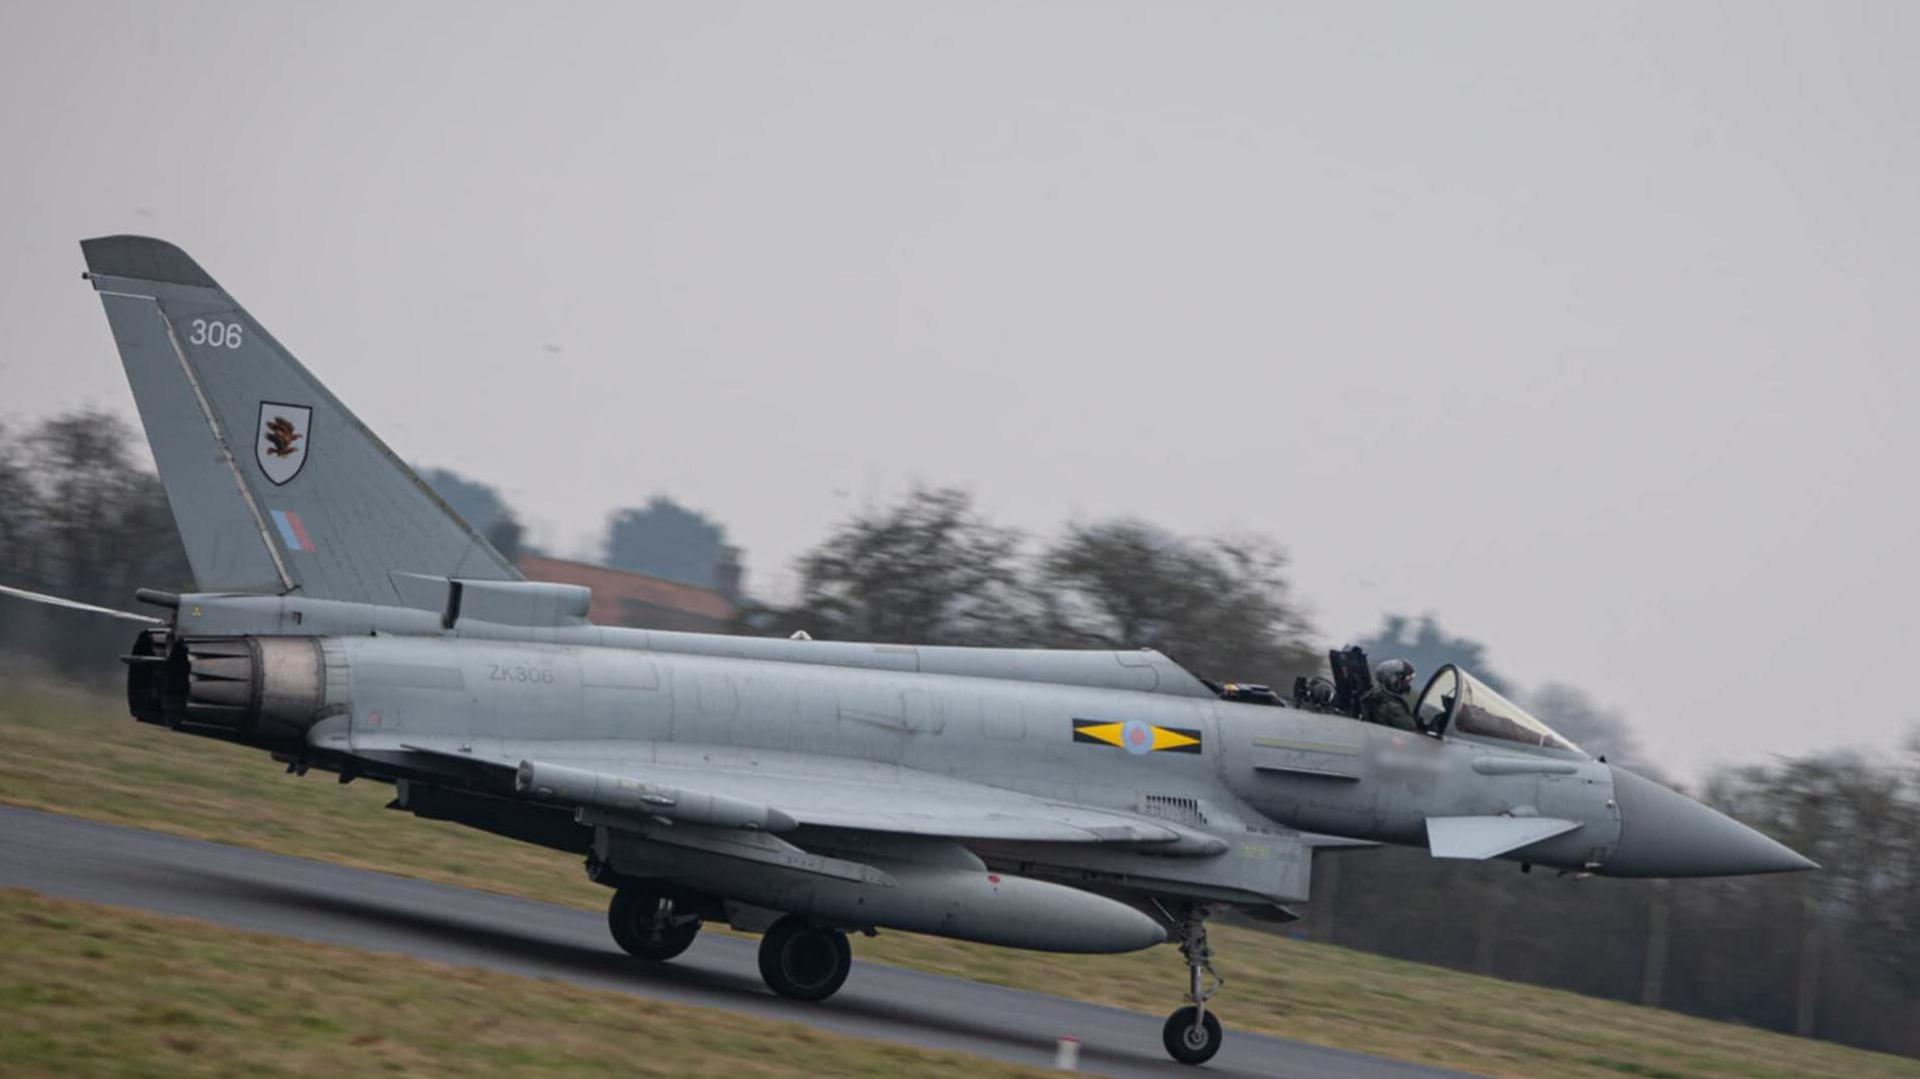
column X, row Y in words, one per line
column 275, row 485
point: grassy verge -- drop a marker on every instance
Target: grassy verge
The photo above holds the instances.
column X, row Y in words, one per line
column 90, row 990
column 77, row 754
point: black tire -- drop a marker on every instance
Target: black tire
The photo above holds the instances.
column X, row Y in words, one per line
column 634, row 918
column 1187, row 1045
column 804, row 962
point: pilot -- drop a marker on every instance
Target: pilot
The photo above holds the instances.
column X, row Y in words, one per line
column 1386, row 703
column 1315, row 694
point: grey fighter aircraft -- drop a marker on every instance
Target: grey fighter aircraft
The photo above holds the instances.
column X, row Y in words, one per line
column 1098, row 801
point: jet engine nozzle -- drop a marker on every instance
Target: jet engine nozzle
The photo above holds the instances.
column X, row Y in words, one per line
column 260, row 690
column 1664, row 833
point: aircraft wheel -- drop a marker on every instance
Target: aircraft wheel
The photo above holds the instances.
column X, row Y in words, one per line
column 645, row 925
column 803, row 961
column 1187, row 1043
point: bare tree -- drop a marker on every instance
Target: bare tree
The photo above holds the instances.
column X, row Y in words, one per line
column 19, row 509
column 1601, row 732
column 1221, row 606
column 926, row 570
column 79, row 519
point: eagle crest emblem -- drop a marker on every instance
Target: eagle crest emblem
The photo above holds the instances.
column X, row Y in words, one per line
column 283, row 440
column 281, row 436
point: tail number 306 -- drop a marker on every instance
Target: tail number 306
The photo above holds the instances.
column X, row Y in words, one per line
column 214, row 334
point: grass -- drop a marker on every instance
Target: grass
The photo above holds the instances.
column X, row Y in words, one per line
column 78, row 754
column 91, row 990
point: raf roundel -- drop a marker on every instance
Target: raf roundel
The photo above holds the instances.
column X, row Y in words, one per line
column 1136, row 736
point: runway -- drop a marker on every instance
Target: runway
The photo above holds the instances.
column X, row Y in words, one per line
column 295, row 897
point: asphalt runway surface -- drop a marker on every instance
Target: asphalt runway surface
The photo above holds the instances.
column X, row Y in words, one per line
column 295, row 897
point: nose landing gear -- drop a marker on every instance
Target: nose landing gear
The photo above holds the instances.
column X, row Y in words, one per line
column 1192, row 1034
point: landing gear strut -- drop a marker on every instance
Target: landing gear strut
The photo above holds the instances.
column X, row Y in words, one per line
column 803, row 961
column 1192, row 1034
column 646, row 924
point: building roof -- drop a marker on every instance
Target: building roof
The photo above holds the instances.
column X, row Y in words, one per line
column 617, row 594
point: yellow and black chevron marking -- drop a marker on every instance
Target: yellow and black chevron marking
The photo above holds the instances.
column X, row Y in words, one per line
column 1135, row 736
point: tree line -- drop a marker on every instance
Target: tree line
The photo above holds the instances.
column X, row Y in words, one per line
column 1832, row 954
column 929, row 569
column 80, row 519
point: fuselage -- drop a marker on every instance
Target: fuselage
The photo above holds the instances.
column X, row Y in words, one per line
column 1004, row 718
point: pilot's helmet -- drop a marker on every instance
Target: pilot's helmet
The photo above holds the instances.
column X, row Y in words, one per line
column 1317, row 691
column 1395, row 675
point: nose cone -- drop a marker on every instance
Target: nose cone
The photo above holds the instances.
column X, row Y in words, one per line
column 1666, row 834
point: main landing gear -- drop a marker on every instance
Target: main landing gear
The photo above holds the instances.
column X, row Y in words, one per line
column 1192, row 1034
column 803, row 961
column 798, row 959
column 647, row 925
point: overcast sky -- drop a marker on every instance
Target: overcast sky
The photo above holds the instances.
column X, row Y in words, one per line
column 1589, row 329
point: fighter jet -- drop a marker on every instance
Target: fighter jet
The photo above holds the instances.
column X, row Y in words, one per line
column 1071, row 801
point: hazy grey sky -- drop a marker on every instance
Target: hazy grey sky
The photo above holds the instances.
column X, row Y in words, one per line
column 1590, row 329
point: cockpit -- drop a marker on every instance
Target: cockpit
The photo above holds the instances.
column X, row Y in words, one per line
column 1457, row 701
column 1453, row 703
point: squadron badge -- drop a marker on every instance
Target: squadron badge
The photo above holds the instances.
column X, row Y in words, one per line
column 283, row 440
